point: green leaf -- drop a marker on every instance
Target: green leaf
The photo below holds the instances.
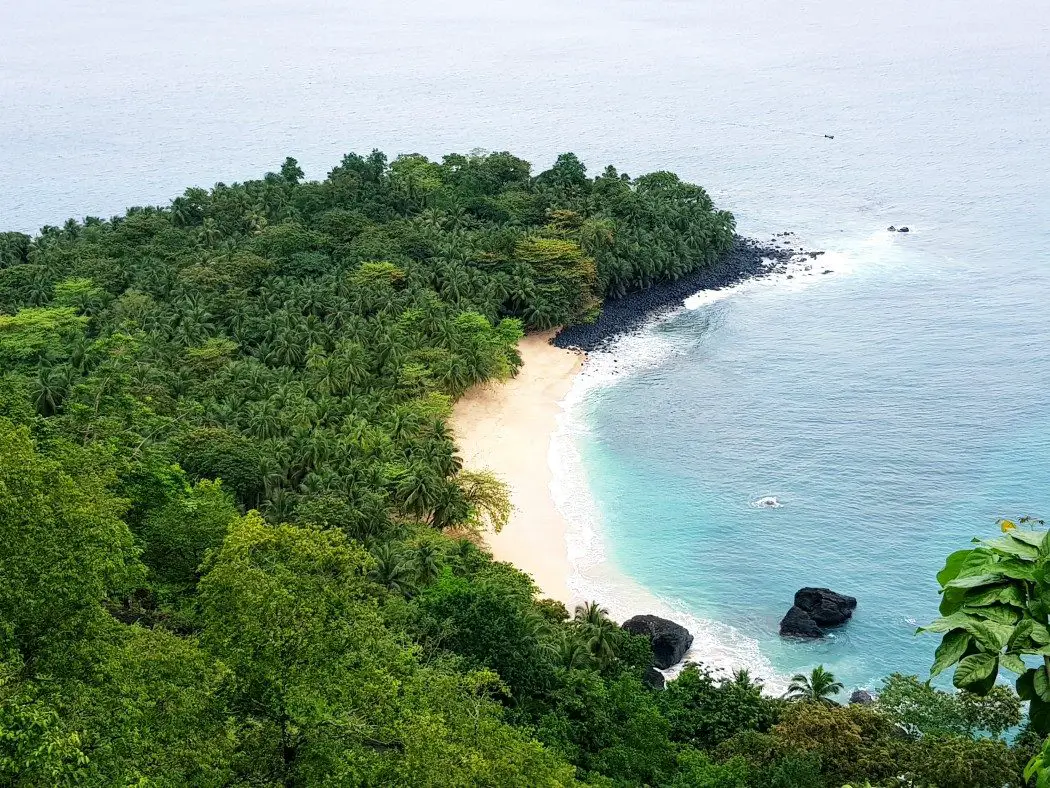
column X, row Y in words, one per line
column 1008, row 545
column 1041, row 684
column 951, row 600
column 1020, row 633
column 1016, row 569
column 948, row 623
column 952, row 566
column 1001, row 614
column 951, row 650
column 1033, row 538
column 975, row 581
column 1039, row 633
column 1009, row 594
column 1013, row 663
column 1025, row 685
column 973, row 671
column 990, row 634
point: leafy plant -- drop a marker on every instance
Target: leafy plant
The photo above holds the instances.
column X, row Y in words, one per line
column 818, row 687
column 995, row 599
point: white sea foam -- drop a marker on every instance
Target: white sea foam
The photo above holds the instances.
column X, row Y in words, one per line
column 766, row 502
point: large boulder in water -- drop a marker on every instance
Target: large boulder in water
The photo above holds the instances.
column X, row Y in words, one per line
column 670, row 641
column 861, row 698
column 799, row 624
column 827, row 608
column 814, row 609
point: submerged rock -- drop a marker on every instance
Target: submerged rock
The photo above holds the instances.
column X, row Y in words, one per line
column 669, row 641
column 814, row 610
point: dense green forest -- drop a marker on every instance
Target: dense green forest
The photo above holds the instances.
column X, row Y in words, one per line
column 239, row 547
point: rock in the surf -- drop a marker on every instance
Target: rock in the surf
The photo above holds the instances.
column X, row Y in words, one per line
column 799, row 624
column 815, row 609
column 891, row 229
column 669, row 641
column 825, row 607
column 861, row 698
column 903, row 230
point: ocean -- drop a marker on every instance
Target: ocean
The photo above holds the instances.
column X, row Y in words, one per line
column 895, row 407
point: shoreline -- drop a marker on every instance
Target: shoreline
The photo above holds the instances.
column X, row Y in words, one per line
column 507, row 428
column 748, row 259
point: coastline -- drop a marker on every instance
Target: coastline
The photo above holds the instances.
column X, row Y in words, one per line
column 521, row 430
column 748, row 259
column 510, row 428
column 507, row 428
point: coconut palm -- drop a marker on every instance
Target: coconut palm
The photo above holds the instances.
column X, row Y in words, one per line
column 568, row 651
column 591, row 614
column 600, row 631
column 427, row 563
column 818, row 687
column 602, row 642
column 391, row 570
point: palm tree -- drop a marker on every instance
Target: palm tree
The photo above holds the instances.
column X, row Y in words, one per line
column 391, row 571
column 427, row 562
column 591, row 614
column 568, row 652
column 50, row 387
column 817, row 687
column 600, row 631
column 602, row 642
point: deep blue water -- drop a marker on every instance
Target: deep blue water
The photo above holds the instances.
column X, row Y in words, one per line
column 897, row 407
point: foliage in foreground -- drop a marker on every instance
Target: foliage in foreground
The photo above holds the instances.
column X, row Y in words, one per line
column 240, row 548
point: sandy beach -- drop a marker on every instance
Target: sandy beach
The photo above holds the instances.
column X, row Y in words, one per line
column 506, row 428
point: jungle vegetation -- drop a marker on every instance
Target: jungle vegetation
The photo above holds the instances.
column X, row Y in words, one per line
column 239, row 548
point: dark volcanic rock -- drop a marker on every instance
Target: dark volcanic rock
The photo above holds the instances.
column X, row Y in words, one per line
column 815, row 608
column 654, row 678
column 669, row 640
column 746, row 260
column 825, row 607
column 861, row 698
column 891, row 229
column 799, row 624
column 903, row 230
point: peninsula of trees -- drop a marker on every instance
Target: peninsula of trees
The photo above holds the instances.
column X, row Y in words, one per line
column 238, row 545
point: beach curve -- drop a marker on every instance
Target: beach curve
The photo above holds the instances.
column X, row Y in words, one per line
column 507, row 428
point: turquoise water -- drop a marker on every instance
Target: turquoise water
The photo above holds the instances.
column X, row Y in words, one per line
column 897, row 407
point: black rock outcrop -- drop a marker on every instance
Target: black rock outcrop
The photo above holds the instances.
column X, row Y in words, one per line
column 827, row 608
column 654, row 678
column 670, row 641
column 623, row 314
column 861, row 698
column 815, row 609
column 798, row 624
